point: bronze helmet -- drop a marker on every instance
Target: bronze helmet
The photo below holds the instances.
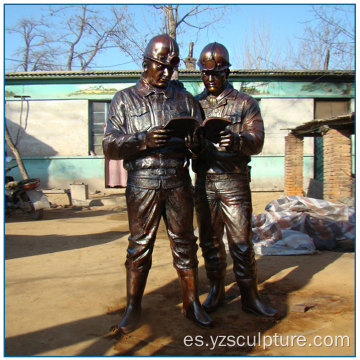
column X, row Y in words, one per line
column 214, row 56
column 164, row 50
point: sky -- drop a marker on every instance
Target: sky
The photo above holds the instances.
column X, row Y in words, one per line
column 285, row 21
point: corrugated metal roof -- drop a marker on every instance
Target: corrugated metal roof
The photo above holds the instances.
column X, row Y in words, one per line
column 310, row 127
column 71, row 74
column 135, row 73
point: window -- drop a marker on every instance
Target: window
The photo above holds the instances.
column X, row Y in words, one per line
column 98, row 118
column 327, row 108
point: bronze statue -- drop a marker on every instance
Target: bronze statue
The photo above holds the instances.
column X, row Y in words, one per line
column 158, row 182
column 222, row 191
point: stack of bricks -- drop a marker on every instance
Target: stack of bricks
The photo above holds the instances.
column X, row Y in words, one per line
column 294, row 150
column 337, row 165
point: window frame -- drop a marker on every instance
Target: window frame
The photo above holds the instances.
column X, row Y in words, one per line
column 94, row 147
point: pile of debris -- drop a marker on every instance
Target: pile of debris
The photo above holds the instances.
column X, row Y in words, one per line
column 295, row 225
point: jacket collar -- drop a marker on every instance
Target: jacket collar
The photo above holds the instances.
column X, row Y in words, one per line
column 146, row 89
column 227, row 94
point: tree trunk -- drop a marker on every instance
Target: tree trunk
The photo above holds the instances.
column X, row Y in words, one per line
column 171, row 15
column 15, row 151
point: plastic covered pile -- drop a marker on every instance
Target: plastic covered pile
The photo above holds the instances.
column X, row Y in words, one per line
column 295, row 225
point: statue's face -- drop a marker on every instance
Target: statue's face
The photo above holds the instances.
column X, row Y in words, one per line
column 214, row 81
column 158, row 75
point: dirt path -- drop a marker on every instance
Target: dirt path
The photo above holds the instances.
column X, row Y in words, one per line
column 65, row 288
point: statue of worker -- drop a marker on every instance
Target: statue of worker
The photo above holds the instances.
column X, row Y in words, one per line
column 222, row 191
column 158, row 182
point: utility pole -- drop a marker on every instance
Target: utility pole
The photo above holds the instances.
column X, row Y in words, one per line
column 190, row 61
column 327, row 59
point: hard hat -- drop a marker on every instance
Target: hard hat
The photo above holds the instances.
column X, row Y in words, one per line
column 164, row 50
column 214, row 57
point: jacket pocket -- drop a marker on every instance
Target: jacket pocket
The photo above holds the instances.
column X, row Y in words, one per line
column 139, row 119
column 236, row 123
column 234, row 117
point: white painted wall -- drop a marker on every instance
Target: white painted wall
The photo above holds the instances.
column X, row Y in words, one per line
column 284, row 114
column 49, row 128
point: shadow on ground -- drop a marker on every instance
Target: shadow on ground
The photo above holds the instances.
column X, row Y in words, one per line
column 17, row 246
column 163, row 327
column 71, row 212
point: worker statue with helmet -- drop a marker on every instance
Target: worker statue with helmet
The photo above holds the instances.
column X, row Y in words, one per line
column 222, row 191
column 158, row 182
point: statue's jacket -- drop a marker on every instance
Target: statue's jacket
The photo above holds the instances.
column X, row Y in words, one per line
column 246, row 122
column 137, row 110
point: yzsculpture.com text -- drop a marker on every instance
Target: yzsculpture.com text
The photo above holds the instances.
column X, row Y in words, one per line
column 265, row 341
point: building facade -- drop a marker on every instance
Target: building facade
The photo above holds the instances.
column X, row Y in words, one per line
column 57, row 119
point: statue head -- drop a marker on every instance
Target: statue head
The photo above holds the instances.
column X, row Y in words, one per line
column 214, row 57
column 161, row 56
column 214, row 65
column 163, row 49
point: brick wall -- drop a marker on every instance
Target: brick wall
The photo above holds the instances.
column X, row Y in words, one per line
column 337, row 165
column 294, row 151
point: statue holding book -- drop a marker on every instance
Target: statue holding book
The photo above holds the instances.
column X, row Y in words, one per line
column 156, row 158
column 222, row 192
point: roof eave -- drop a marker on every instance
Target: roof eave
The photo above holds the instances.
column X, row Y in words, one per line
column 183, row 73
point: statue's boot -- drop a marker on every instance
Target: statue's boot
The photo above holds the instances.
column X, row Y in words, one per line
column 251, row 301
column 191, row 304
column 216, row 294
column 135, row 285
column 245, row 269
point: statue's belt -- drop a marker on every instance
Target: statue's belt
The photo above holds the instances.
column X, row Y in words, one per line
column 145, row 173
column 224, row 177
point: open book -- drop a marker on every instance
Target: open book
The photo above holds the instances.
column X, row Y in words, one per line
column 182, row 126
column 213, row 126
column 186, row 125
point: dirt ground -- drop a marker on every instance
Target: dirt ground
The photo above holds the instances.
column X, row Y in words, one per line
column 65, row 289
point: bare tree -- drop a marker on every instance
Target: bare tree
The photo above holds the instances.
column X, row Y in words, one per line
column 257, row 50
column 176, row 18
column 34, row 53
column 64, row 38
column 16, row 153
column 84, row 35
column 329, row 39
column 126, row 36
column 72, row 36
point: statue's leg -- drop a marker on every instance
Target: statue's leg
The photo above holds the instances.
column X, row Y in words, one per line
column 179, row 222
column 144, row 213
column 211, row 230
column 237, row 210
